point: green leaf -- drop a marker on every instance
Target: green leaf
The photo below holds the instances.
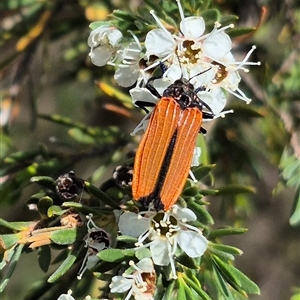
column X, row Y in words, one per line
column 170, row 291
column 96, row 211
column 54, row 210
column 225, row 248
column 127, row 239
column 18, row 226
column 196, row 287
column 44, row 204
column 33, row 199
column 95, row 25
column 44, row 181
column 235, row 277
column 64, row 121
column 295, row 215
column 66, row 265
column 211, row 16
column 226, row 231
column 293, row 181
column 235, row 189
column 100, row 195
column 44, row 257
column 143, row 253
column 16, row 253
column 180, row 289
column 191, row 191
column 81, row 136
column 116, row 255
column 221, row 254
column 154, row 5
column 290, row 166
column 22, row 156
column 240, row 31
column 9, row 240
column 77, row 205
column 208, row 192
column 228, row 19
column 190, row 294
column 202, row 214
column 296, row 294
column 203, row 5
column 123, row 15
column 187, row 261
column 8, row 256
column 65, row 236
column 220, row 283
column 201, row 171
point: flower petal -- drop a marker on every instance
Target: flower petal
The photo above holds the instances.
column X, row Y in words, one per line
column 215, row 99
column 159, row 251
column 100, row 55
column 196, row 156
column 217, row 45
column 193, row 243
column 158, row 42
column 192, row 27
column 183, row 213
column 175, row 72
column 114, row 37
column 130, row 224
column 161, row 84
column 95, row 35
column 146, row 265
column 91, row 261
column 66, row 296
column 142, row 95
column 126, row 76
column 132, row 52
column 201, row 76
column 119, row 284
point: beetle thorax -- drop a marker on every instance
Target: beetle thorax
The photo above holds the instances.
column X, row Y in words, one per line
column 182, row 91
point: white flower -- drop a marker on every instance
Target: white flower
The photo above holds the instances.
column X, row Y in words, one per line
column 205, row 59
column 96, row 240
column 104, row 42
column 128, row 70
column 189, row 52
column 66, row 296
column 69, row 296
column 191, row 27
column 166, row 231
column 216, row 100
column 139, row 280
column 227, row 76
column 160, row 43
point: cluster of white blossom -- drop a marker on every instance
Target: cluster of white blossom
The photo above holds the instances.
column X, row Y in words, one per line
column 166, row 234
column 205, row 59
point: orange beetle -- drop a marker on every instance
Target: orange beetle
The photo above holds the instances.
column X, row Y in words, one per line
column 165, row 153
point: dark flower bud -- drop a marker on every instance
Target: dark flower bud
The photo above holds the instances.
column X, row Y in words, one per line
column 122, row 176
column 68, row 186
